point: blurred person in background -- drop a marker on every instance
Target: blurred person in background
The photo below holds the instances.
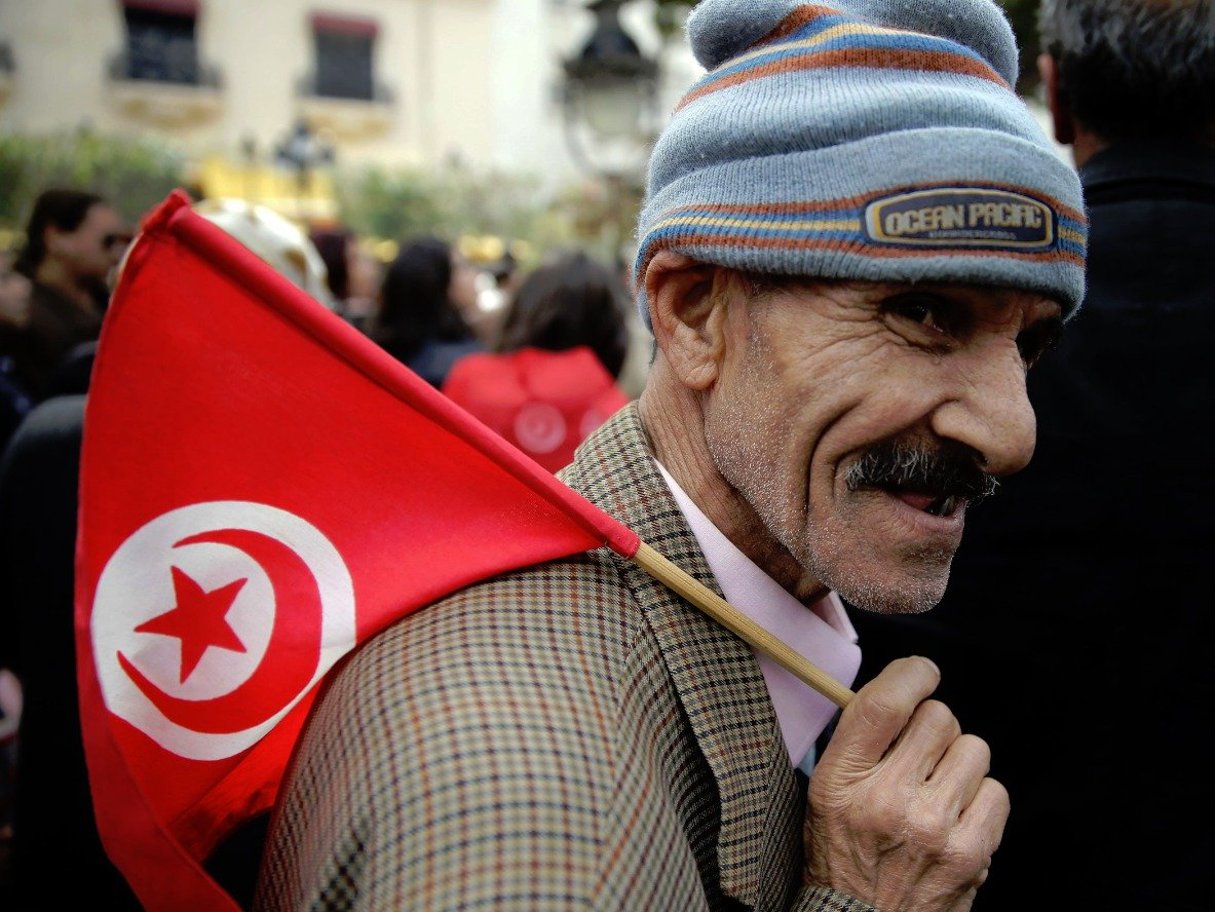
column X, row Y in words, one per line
column 424, row 298
column 73, row 241
column 499, row 281
column 53, row 826
column 551, row 380
column 14, row 293
column 1088, row 666
column 352, row 275
column 572, row 300
column 14, row 312
column 506, row 275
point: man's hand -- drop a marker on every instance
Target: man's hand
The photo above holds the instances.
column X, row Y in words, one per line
column 901, row 812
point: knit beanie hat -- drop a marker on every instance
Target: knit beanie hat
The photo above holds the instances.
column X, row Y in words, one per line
column 878, row 140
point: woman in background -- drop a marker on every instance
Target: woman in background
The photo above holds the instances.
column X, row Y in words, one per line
column 552, row 378
column 420, row 321
column 352, row 274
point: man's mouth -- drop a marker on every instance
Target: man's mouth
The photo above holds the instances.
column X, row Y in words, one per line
column 944, row 506
column 940, row 480
column 932, row 504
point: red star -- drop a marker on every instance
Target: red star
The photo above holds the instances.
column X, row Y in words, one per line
column 197, row 620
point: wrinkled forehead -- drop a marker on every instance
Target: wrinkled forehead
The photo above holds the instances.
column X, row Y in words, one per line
column 1035, row 301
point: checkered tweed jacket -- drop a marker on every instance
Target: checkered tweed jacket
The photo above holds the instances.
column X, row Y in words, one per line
column 569, row 736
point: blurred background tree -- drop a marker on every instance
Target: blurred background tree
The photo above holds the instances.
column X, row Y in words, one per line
column 394, row 205
column 134, row 174
column 379, row 203
column 669, row 16
column 1023, row 15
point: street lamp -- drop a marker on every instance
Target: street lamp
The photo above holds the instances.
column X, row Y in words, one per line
column 609, row 96
column 609, row 102
column 302, row 151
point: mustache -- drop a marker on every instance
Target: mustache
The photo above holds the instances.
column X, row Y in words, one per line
column 943, row 470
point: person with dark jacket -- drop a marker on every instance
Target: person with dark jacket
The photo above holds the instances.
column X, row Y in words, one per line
column 53, row 822
column 74, row 239
column 425, row 294
column 1074, row 636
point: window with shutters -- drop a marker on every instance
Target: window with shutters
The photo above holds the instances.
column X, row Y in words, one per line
column 344, row 57
column 161, row 42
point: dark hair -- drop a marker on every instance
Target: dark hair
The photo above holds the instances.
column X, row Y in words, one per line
column 572, row 300
column 1135, row 68
column 414, row 302
column 331, row 244
column 62, row 208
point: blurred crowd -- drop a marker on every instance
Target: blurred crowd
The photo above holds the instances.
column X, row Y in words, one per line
column 429, row 306
column 542, row 354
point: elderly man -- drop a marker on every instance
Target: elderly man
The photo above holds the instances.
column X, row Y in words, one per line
column 855, row 242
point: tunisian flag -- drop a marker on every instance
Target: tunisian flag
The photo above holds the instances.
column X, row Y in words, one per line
column 262, row 488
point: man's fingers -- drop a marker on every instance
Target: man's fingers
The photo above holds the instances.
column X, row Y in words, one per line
column 981, row 823
column 931, row 731
column 962, row 769
column 872, row 721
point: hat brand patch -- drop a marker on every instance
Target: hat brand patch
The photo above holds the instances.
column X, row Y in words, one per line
column 949, row 217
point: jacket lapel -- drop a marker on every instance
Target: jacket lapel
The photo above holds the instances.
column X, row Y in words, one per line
column 715, row 673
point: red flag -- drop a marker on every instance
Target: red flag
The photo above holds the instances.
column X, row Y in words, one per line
column 262, row 488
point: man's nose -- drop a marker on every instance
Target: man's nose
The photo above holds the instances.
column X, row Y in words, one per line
column 988, row 409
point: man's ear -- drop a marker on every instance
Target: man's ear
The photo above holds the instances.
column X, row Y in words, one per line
column 687, row 312
column 1060, row 112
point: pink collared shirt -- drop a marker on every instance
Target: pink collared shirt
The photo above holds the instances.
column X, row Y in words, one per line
column 821, row 632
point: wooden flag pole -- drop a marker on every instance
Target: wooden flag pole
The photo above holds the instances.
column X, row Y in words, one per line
column 730, row 617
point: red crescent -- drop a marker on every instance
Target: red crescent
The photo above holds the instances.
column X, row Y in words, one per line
column 291, row 656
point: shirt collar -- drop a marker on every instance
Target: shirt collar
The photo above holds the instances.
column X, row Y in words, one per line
column 821, row 632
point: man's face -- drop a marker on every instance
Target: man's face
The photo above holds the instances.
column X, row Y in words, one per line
column 859, row 419
column 95, row 247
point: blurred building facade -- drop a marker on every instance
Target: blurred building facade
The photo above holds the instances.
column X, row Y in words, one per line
column 391, row 82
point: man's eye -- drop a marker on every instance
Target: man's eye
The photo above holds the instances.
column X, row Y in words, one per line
column 1037, row 340
column 925, row 310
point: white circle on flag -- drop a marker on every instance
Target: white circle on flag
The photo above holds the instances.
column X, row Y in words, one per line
column 219, row 662
column 539, row 427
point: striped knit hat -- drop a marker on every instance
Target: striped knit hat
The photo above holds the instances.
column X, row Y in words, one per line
column 869, row 139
